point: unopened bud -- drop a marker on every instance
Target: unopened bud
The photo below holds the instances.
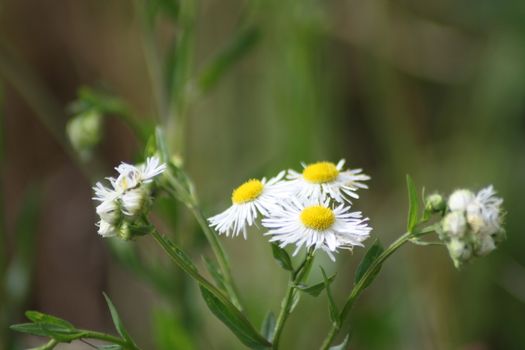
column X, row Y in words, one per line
column 84, row 132
column 435, row 203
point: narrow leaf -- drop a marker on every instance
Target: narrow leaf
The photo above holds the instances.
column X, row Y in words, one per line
column 332, row 307
column 341, row 346
column 50, row 330
column 36, row 317
column 371, row 255
column 268, row 326
column 282, row 257
column 234, row 320
column 214, row 271
column 412, row 204
column 119, row 326
column 315, row 289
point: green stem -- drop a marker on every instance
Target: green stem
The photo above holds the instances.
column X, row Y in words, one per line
column 108, row 338
column 367, row 278
column 221, row 256
column 296, row 277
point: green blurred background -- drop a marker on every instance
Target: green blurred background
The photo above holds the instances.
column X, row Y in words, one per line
column 432, row 88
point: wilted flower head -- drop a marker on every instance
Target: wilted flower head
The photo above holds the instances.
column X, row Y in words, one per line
column 473, row 225
column 127, row 198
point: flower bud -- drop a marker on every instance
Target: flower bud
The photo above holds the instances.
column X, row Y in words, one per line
column 459, row 251
column 84, row 132
column 435, row 203
column 109, row 211
column 135, row 201
column 454, row 224
column 106, row 229
column 460, row 199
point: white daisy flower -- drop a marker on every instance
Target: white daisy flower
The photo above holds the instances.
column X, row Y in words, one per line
column 250, row 199
column 325, row 179
column 316, row 224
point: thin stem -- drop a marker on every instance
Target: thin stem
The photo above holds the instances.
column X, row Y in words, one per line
column 367, row 278
column 221, row 256
column 109, row 338
column 296, row 277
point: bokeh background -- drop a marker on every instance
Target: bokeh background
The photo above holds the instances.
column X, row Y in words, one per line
column 435, row 89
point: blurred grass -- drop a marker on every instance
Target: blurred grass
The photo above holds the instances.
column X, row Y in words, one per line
column 436, row 90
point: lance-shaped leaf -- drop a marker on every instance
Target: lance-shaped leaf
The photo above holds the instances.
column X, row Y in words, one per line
column 371, row 255
column 235, row 321
column 215, row 272
column 282, row 257
column 332, row 307
column 268, row 326
column 412, row 205
column 315, row 289
column 119, row 326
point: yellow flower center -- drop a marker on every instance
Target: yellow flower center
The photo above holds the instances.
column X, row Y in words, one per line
column 320, row 172
column 317, row 217
column 248, row 191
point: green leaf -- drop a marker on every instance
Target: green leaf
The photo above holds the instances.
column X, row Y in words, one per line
column 215, row 272
column 341, row 346
column 43, row 329
column 235, row 321
column 268, row 326
column 282, row 257
column 315, row 289
column 239, row 47
column 334, row 313
column 413, row 205
column 37, row 317
column 119, row 326
column 371, row 255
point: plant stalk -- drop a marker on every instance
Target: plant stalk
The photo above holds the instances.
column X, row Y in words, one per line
column 296, row 277
column 367, row 278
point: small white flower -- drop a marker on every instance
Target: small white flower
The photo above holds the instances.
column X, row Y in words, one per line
column 129, row 195
column 250, row 199
column 455, row 224
column 134, row 201
column 131, row 176
column 325, row 179
column 460, row 199
column 106, row 229
column 109, row 211
column 316, row 224
column 484, row 213
column 474, row 226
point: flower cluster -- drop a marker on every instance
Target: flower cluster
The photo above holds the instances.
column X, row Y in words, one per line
column 127, row 198
column 309, row 209
column 473, row 224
